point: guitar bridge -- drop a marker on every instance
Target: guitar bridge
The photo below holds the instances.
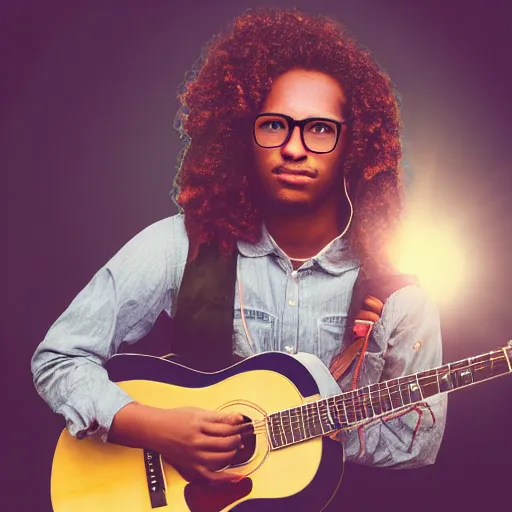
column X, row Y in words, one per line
column 155, row 479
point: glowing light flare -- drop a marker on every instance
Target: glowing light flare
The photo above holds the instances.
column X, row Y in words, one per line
column 431, row 249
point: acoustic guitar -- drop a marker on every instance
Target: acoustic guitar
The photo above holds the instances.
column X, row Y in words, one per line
column 292, row 426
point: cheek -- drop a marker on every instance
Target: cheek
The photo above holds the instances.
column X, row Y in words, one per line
column 331, row 166
column 263, row 159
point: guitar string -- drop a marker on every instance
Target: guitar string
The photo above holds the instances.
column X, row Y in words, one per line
column 324, row 415
column 360, row 393
column 397, row 387
column 362, row 407
column 318, row 429
column 324, row 418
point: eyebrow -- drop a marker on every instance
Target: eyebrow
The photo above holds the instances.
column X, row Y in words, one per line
column 329, row 117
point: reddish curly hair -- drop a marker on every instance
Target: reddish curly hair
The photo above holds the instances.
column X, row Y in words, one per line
column 226, row 89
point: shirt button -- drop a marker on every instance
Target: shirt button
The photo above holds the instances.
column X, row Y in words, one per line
column 291, row 303
column 288, row 349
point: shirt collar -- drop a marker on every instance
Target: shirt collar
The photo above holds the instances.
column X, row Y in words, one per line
column 335, row 258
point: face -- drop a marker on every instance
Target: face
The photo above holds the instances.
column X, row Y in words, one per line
column 292, row 176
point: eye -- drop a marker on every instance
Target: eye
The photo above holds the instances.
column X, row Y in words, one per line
column 272, row 125
column 321, row 128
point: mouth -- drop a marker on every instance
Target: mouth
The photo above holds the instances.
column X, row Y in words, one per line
column 294, row 177
column 285, row 171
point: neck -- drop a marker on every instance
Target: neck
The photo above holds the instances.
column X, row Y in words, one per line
column 360, row 406
column 302, row 235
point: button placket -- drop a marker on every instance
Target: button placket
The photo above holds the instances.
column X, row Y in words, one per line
column 292, row 312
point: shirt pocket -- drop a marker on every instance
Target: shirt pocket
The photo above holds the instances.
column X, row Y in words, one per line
column 331, row 329
column 262, row 328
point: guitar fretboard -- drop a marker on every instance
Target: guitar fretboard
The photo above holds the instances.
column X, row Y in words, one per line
column 350, row 409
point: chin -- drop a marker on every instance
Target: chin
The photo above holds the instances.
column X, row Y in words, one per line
column 292, row 202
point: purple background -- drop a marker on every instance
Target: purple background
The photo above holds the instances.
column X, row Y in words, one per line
column 90, row 155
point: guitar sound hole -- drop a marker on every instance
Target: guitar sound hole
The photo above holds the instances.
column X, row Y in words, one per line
column 249, row 445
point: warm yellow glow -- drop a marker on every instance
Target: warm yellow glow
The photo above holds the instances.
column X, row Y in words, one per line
column 430, row 249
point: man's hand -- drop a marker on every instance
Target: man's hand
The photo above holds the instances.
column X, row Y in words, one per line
column 195, row 441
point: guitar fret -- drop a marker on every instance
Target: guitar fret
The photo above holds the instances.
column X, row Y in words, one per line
column 362, row 399
column 502, row 367
column 461, row 373
column 446, row 379
column 347, row 419
column 294, row 425
column 379, row 391
column 291, row 426
column 371, row 401
column 376, row 403
column 390, row 399
column 507, row 352
column 332, row 423
column 400, row 391
column 283, row 427
column 342, row 420
column 352, row 407
column 396, row 400
column 483, row 370
column 419, row 387
column 376, row 400
column 317, row 427
column 408, row 390
column 304, row 435
column 280, row 440
column 429, row 385
column 316, row 420
column 367, row 403
column 438, row 382
column 359, row 406
column 308, row 421
column 320, row 418
column 270, row 430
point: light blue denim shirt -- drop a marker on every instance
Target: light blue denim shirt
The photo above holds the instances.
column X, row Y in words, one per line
column 301, row 312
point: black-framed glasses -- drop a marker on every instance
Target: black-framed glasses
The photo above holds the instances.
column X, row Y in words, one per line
column 318, row 134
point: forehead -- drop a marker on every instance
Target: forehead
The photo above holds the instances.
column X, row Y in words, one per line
column 302, row 93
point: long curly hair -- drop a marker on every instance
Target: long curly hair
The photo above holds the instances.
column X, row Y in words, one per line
column 225, row 90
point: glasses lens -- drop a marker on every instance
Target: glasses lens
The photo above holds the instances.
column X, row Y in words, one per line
column 320, row 135
column 270, row 131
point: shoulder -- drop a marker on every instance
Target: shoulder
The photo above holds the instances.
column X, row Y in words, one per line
column 167, row 235
column 156, row 250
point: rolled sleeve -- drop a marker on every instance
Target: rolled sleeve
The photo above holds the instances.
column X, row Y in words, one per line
column 405, row 341
column 119, row 304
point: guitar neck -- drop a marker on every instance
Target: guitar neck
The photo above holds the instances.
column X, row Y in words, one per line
column 352, row 408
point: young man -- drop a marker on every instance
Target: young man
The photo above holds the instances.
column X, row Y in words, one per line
column 291, row 164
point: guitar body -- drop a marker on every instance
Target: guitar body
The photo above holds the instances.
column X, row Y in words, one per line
column 89, row 475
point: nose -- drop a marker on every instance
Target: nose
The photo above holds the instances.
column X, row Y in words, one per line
column 294, row 149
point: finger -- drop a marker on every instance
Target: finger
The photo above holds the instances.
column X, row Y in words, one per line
column 214, row 460
column 230, row 419
column 218, row 477
column 223, row 429
column 220, row 444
